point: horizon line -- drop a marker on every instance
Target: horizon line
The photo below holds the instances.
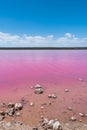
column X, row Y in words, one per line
column 43, row 48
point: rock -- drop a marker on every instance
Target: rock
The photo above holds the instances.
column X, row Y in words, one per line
column 50, row 124
column 31, row 104
column 50, row 103
column 37, row 86
column 82, row 114
column 73, row 118
column 2, row 113
column 52, row 96
column 66, row 90
column 8, row 124
column 18, row 123
column 42, row 107
column 18, row 114
column 1, row 118
column 10, row 104
column 49, row 96
column 2, row 104
column 45, row 122
column 18, row 106
column 57, row 125
column 11, row 112
column 35, row 128
column 38, row 89
column 69, row 108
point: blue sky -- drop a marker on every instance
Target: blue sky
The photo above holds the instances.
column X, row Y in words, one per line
column 42, row 19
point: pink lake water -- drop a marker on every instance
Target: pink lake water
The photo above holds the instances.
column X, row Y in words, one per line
column 55, row 70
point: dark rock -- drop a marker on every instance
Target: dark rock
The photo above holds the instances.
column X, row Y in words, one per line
column 11, row 112
column 1, row 118
column 10, row 104
column 2, row 113
column 18, row 106
column 35, row 128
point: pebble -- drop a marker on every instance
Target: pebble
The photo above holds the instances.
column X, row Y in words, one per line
column 82, row 114
column 31, row 104
column 52, row 96
column 8, row 124
column 73, row 118
column 69, row 108
column 66, row 90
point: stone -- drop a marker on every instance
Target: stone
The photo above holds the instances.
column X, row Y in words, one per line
column 10, row 104
column 1, row 118
column 50, row 124
column 11, row 112
column 31, row 104
column 57, row 125
column 82, row 114
column 38, row 89
column 8, row 124
column 2, row 104
column 45, row 122
column 52, row 96
column 49, row 96
column 18, row 106
column 35, row 128
column 73, row 118
column 66, row 90
column 2, row 113
column 37, row 86
column 42, row 107
column 69, row 108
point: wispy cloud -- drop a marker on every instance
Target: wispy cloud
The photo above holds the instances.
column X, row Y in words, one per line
column 68, row 40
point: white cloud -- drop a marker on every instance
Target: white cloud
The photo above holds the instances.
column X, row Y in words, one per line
column 68, row 40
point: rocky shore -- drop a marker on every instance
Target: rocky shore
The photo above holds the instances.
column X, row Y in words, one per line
column 12, row 114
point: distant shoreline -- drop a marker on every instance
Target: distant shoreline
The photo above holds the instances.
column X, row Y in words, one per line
column 43, row 48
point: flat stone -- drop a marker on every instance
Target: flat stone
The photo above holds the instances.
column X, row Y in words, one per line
column 10, row 104
column 82, row 114
column 66, row 90
column 69, row 108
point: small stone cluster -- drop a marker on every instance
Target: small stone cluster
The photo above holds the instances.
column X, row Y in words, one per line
column 11, row 109
column 53, row 124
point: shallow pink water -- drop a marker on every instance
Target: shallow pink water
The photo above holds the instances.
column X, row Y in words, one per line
column 46, row 67
column 41, row 66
